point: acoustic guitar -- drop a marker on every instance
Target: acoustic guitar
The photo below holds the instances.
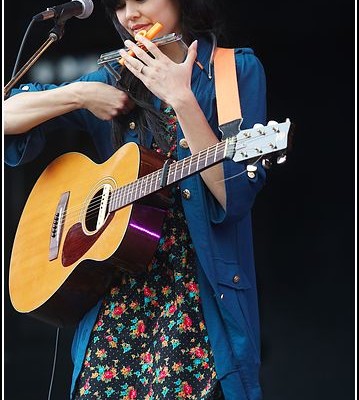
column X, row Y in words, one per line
column 84, row 222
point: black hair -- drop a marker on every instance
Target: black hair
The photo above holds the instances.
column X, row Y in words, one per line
column 198, row 18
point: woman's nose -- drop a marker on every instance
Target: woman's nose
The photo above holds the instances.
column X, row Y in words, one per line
column 132, row 10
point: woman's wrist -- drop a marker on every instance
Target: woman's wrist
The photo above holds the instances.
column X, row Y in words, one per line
column 77, row 94
column 183, row 101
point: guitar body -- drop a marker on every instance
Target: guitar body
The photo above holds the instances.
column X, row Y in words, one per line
column 65, row 254
column 84, row 223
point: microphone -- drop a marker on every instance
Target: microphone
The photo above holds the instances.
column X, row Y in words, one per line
column 76, row 8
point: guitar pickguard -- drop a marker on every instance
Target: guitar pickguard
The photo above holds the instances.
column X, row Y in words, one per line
column 77, row 243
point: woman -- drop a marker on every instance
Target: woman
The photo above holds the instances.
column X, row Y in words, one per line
column 188, row 328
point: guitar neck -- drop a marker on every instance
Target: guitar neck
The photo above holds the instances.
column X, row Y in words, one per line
column 167, row 175
column 247, row 144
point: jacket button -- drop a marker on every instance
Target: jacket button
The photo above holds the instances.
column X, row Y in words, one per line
column 132, row 125
column 236, row 278
column 183, row 143
column 186, row 194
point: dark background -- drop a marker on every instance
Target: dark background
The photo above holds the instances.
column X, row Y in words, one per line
column 304, row 219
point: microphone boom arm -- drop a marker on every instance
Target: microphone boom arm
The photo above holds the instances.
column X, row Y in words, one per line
column 55, row 34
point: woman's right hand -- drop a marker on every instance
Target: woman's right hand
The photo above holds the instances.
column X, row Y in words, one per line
column 104, row 101
column 24, row 111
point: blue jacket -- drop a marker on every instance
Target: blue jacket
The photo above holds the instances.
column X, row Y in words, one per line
column 222, row 239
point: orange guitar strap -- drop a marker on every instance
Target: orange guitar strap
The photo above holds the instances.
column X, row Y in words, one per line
column 227, row 94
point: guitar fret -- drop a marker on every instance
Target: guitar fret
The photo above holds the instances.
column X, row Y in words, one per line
column 215, row 153
column 158, row 181
column 135, row 191
column 142, row 190
column 189, row 166
column 125, row 195
column 206, row 159
column 198, row 159
column 145, row 180
column 130, row 192
column 151, row 182
column 201, row 161
column 211, row 157
column 170, row 178
column 118, row 197
column 138, row 189
column 183, row 164
column 176, row 171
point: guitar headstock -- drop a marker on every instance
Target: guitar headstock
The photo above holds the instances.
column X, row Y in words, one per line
column 261, row 140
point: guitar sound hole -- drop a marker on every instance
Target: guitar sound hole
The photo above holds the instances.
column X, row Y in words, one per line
column 98, row 209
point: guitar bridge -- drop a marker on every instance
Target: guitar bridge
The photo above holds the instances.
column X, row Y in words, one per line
column 57, row 226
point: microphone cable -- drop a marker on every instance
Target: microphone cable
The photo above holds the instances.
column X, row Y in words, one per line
column 54, row 363
column 21, row 48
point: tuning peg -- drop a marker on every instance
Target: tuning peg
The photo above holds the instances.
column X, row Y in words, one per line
column 271, row 123
column 266, row 163
column 251, row 171
column 281, row 159
column 259, row 128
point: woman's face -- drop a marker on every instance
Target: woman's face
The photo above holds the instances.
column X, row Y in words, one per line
column 137, row 15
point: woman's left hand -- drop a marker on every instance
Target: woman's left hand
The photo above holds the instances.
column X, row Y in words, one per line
column 166, row 79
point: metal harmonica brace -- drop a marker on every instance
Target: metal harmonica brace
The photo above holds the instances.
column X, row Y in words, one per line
column 161, row 41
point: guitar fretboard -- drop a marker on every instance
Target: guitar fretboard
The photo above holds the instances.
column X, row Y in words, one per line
column 165, row 176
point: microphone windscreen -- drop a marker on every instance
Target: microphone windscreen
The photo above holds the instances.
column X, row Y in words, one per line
column 87, row 8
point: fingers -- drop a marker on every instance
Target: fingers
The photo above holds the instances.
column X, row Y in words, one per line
column 137, row 49
column 151, row 47
column 132, row 64
column 192, row 53
column 106, row 102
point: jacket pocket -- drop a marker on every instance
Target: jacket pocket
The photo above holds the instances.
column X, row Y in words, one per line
column 237, row 295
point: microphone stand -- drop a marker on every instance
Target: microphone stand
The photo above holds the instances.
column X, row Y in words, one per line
column 56, row 33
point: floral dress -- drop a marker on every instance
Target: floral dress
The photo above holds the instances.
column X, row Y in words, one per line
column 150, row 340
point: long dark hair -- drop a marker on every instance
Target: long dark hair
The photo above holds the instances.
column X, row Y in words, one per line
column 198, row 18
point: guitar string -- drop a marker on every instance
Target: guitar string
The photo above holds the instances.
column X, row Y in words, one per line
column 121, row 191
column 92, row 210
column 94, row 207
column 34, row 231
column 240, row 173
column 73, row 213
column 203, row 155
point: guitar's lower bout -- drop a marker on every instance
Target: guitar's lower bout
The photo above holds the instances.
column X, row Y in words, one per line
column 79, row 293
column 60, row 289
column 90, row 280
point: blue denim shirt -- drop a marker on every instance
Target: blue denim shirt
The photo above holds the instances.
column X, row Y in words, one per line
column 222, row 238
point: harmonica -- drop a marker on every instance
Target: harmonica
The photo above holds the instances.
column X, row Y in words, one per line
column 115, row 54
column 111, row 56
